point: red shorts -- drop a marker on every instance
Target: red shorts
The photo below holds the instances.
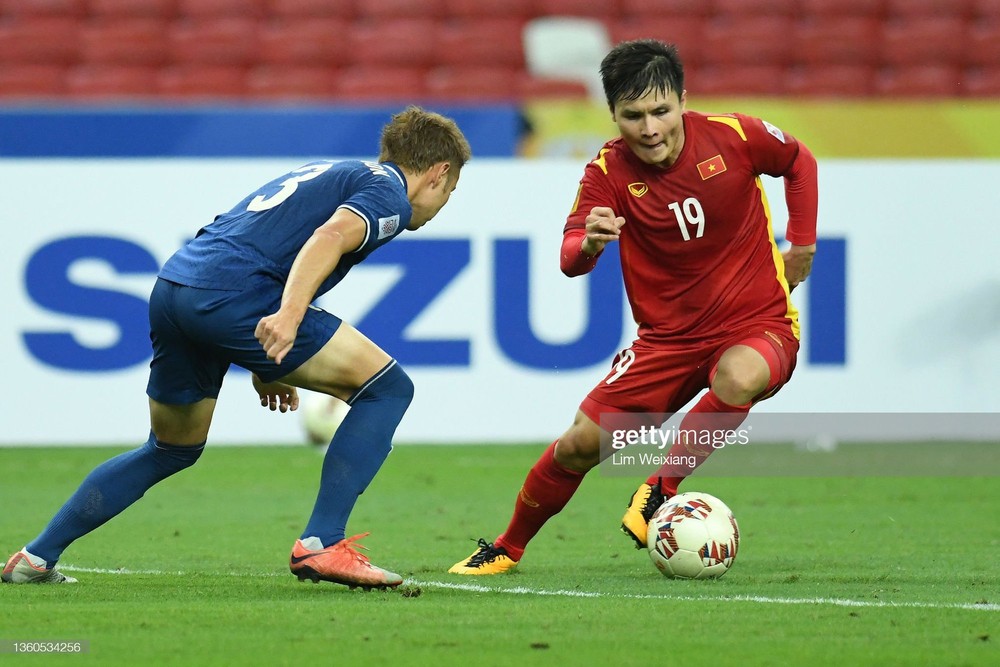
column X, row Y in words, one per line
column 663, row 377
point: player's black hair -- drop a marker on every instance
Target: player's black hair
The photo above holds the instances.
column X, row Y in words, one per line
column 632, row 68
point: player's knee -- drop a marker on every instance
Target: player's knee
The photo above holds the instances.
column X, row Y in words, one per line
column 739, row 386
column 578, row 450
column 173, row 458
column 404, row 385
column 392, row 382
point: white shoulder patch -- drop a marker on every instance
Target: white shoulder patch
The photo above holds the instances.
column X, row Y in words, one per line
column 778, row 134
column 388, row 226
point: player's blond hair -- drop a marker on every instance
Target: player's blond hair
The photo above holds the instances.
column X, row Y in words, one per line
column 417, row 140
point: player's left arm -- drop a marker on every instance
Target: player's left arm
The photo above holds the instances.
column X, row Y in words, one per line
column 276, row 395
column 779, row 154
column 801, row 197
column 344, row 232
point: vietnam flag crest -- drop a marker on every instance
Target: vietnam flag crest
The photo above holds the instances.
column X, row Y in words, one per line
column 713, row 166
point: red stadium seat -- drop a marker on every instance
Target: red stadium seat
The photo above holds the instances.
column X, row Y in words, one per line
column 873, row 8
column 111, row 82
column 215, row 41
column 655, row 9
column 923, row 41
column 762, row 40
column 137, row 8
column 923, row 8
column 982, row 44
column 339, row 9
column 684, row 32
column 536, row 88
column 821, row 80
column 748, row 79
column 201, row 82
column 981, row 82
column 747, row 8
column 30, row 81
column 382, row 84
column 62, row 8
column 39, row 40
column 919, row 81
column 509, row 9
column 486, row 42
column 129, row 41
column 473, row 84
column 400, row 9
column 404, row 42
column 589, row 8
column 840, row 40
column 305, row 41
column 221, row 8
column 292, row 83
column 986, row 9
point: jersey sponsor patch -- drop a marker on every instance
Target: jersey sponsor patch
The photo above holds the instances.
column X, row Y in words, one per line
column 638, row 189
column 388, row 226
column 713, row 166
column 771, row 129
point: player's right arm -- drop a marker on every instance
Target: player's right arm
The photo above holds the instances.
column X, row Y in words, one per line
column 344, row 232
column 602, row 227
column 592, row 224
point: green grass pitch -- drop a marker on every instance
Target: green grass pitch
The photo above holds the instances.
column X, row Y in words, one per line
column 833, row 569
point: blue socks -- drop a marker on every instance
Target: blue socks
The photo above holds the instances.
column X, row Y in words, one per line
column 358, row 449
column 109, row 489
column 355, row 455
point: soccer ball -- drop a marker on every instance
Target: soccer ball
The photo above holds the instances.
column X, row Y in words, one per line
column 321, row 416
column 693, row 535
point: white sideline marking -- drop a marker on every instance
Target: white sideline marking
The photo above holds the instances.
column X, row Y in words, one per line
column 839, row 602
column 523, row 590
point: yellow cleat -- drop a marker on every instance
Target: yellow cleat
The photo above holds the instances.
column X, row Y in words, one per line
column 645, row 501
column 487, row 559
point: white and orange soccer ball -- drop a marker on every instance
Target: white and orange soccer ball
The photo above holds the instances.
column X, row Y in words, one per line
column 321, row 416
column 693, row 535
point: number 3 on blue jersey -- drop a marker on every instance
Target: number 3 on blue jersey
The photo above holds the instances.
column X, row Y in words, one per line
column 288, row 187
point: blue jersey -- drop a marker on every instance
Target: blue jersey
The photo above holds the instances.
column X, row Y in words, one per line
column 263, row 233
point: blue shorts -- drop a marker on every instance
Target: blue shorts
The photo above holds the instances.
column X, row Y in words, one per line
column 197, row 333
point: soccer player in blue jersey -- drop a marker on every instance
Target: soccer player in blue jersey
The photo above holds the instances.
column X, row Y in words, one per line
column 240, row 293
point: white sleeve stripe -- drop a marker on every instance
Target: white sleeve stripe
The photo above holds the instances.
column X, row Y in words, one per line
column 395, row 173
column 368, row 223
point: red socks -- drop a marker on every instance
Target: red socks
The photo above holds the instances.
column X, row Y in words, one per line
column 547, row 489
column 549, row 485
column 708, row 416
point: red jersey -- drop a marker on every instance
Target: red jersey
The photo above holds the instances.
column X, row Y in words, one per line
column 698, row 253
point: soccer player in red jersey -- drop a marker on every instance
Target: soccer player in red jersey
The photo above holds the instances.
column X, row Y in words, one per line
column 680, row 192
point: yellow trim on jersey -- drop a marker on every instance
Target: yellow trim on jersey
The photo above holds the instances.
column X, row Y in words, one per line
column 791, row 311
column 601, row 162
column 576, row 202
column 731, row 122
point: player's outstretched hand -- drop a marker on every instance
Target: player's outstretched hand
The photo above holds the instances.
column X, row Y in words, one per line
column 276, row 395
column 276, row 334
column 603, row 227
column 798, row 263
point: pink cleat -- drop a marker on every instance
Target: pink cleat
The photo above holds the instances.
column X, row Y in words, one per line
column 340, row 563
